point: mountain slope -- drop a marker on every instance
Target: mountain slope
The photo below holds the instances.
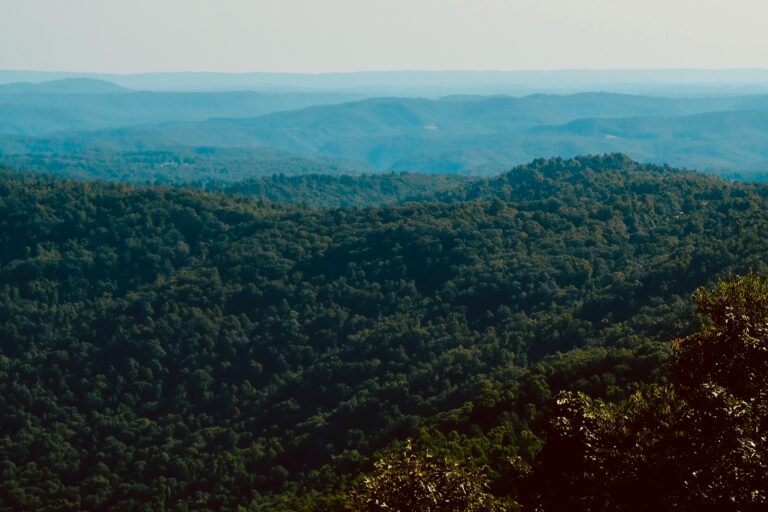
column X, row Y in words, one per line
column 176, row 165
column 173, row 348
column 40, row 109
column 717, row 141
column 322, row 191
column 478, row 135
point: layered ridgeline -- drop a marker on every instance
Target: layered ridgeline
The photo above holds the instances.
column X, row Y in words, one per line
column 36, row 109
column 480, row 135
column 179, row 349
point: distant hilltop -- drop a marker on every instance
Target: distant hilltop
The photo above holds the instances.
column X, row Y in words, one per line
column 436, row 83
column 63, row 86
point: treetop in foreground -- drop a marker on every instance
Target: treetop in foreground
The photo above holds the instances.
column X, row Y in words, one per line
column 698, row 443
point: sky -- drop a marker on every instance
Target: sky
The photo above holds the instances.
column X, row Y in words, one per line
column 313, row 36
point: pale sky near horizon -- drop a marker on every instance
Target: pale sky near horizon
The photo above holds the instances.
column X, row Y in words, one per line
column 129, row 36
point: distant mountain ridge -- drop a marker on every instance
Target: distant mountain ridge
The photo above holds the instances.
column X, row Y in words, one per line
column 479, row 135
column 63, row 86
column 678, row 82
column 42, row 109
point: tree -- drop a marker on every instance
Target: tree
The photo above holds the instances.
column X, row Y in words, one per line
column 410, row 481
column 722, row 372
column 731, row 351
column 697, row 444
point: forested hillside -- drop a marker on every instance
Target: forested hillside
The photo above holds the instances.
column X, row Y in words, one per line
column 342, row 191
column 188, row 350
column 176, row 165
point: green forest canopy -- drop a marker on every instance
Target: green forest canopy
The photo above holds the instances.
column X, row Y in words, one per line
column 176, row 348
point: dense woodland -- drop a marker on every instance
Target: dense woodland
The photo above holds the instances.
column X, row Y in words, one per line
column 323, row 191
column 179, row 349
column 176, row 165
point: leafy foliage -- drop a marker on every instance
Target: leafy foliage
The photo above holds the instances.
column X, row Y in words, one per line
column 420, row 482
column 180, row 349
column 699, row 444
column 342, row 191
column 731, row 352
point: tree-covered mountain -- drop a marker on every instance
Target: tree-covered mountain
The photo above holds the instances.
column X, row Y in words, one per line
column 316, row 190
column 181, row 349
column 716, row 141
column 87, row 105
column 456, row 134
column 178, row 165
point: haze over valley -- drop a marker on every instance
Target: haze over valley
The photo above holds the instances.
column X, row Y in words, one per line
column 94, row 125
column 402, row 256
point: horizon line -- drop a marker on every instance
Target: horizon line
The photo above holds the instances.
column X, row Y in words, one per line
column 397, row 70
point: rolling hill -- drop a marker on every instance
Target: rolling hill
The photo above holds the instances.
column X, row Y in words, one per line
column 82, row 104
column 172, row 348
column 458, row 134
column 63, row 86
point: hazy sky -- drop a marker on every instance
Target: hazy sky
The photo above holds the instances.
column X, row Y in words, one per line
column 126, row 36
